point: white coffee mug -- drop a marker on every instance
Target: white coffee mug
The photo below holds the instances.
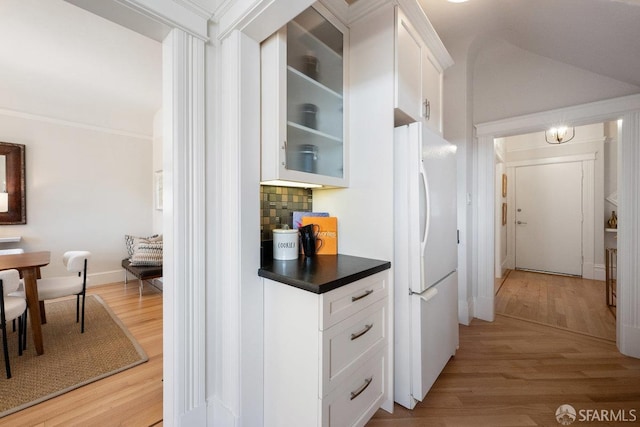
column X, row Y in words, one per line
column 285, row 244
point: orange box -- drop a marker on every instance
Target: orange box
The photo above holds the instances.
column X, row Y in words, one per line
column 328, row 233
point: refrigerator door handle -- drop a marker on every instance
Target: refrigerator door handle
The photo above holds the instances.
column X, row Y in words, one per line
column 427, row 208
column 427, row 295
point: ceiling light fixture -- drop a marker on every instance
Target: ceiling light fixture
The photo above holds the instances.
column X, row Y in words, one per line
column 559, row 135
column 457, row 1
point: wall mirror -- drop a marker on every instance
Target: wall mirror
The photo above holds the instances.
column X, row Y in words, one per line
column 13, row 206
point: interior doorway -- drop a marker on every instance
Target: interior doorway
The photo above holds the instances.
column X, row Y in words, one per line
column 553, row 203
column 624, row 110
column 555, row 226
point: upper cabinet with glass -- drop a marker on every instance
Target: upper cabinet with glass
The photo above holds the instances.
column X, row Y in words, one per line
column 303, row 101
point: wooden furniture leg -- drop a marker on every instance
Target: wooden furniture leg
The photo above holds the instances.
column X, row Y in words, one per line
column 31, row 290
column 43, row 314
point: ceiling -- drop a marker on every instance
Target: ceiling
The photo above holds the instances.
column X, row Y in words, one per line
column 62, row 62
column 601, row 36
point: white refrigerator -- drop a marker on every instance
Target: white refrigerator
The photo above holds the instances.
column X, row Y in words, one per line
column 425, row 260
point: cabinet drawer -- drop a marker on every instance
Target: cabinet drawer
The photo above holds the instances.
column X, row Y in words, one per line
column 341, row 303
column 355, row 401
column 347, row 344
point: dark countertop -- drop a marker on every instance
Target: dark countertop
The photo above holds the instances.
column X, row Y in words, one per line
column 322, row 273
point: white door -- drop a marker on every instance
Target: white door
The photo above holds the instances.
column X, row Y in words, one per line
column 548, row 215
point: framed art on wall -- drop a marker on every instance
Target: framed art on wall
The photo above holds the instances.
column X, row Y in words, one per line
column 504, row 185
column 504, row 214
column 157, row 187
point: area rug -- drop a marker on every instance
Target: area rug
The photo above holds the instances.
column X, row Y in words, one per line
column 70, row 359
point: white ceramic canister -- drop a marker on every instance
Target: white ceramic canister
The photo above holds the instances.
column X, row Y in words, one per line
column 285, row 244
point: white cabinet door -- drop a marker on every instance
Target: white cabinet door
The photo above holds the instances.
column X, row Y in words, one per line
column 303, row 101
column 431, row 91
column 418, row 78
column 408, row 92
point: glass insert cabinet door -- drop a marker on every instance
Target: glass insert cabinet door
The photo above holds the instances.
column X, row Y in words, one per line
column 310, row 138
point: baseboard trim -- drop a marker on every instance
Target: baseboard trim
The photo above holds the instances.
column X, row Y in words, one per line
column 105, row 277
column 588, row 271
column 465, row 312
column 599, row 272
column 483, row 309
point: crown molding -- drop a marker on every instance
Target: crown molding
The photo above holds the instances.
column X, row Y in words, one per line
column 70, row 123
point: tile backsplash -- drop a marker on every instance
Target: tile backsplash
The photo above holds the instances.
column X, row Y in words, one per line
column 277, row 205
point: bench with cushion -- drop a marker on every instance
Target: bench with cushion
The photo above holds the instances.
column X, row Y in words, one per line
column 141, row 272
column 145, row 258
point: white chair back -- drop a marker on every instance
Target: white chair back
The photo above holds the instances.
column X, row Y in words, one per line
column 10, row 281
column 74, row 260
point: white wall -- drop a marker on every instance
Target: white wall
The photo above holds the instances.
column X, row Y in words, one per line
column 365, row 209
column 458, row 129
column 509, row 81
column 86, row 189
column 61, row 61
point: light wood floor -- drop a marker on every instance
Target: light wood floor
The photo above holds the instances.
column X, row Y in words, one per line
column 130, row 398
column 517, row 373
column 509, row 372
column 565, row 302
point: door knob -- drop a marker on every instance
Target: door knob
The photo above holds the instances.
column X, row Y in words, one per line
column 520, row 222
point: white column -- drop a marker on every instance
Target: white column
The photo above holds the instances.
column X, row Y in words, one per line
column 237, row 395
column 484, row 230
column 628, row 298
column 184, row 228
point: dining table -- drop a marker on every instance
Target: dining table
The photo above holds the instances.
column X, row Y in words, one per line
column 28, row 264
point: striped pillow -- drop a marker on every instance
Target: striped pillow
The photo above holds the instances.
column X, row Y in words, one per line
column 131, row 242
column 147, row 253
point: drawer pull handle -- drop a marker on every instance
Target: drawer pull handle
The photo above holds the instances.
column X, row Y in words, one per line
column 366, row 329
column 362, row 388
column 366, row 293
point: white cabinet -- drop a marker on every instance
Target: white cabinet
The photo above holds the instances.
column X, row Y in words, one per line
column 326, row 355
column 303, row 101
column 432, row 91
column 408, row 61
column 418, row 77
